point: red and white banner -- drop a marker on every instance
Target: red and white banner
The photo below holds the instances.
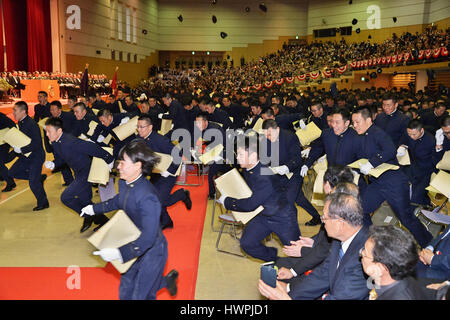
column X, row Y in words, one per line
column 394, row 59
column 436, row 52
column 314, row 75
column 268, row 84
column 279, row 81
column 342, row 69
column 327, row 73
column 444, row 52
column 400, row 57
column 257, row 86
column 406, row 55
column 388, row 59
column 289, row 79
column 353, row 64
column 302, row 77
column 421, row 54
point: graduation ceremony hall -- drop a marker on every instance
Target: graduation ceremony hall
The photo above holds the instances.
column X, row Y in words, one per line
column 218, row 155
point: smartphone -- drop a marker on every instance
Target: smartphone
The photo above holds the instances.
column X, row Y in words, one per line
column 269, row 273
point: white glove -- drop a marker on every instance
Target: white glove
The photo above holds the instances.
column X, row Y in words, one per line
column 165, row 174
column 124, row 120
column 282, row 170
column 439, row 137
column 88, row 210
column 111, row 166
column 49, row 165
column 109, row 254
column 365, row 168
column 221, row 200
column 100, row 138
column 17, row 150
column 304, row 171
column 302, row 125
column 305, row 153
column 401, row 151
column 160, row 115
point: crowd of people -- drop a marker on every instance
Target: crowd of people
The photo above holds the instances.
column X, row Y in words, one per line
column 375, row 124
column 187, row 113
column 295, row 59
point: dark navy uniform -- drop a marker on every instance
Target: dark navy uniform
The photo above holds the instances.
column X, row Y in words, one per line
column 82, row 126
column 77, row 154
column 133, row 108
column 105, row 131
column 41, row 111
column 430, row 121
column 392, row 186
column 285, row 120
column 177, row 114
column 393, row 124
column 421, row 156
column 340, row 149
column 164, row 185
column 208, row 143
column 221, row 116
column 30, row 168
column 140, row 202
column 238, row 113
column 68, row 120
column 5, row 156
column 289, row 151
column 279, row 216
column 321, row 122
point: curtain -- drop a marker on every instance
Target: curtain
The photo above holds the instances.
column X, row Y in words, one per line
column 39, row 35
column 15, row 19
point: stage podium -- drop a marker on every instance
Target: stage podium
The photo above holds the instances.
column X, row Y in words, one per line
column 32, row 87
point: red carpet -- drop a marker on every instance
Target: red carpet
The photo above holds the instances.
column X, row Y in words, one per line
column 103, row 283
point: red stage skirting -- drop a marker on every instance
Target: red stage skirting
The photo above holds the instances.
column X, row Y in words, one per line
column 103, row 283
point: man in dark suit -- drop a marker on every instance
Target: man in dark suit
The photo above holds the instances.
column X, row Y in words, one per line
column 392, row 186
column 392, row 120
column 68, row 120
column 283, row 150
column 420, row 145
column 5, row 155
column 340, row 276
column 217, row 115
column 30, row 167
column 432, row 118
column 235, row 111
column 130, row 106
column 307, row 253
column 318, row 115
column 389, row 257
column 42, row 109
column 78, row 155
column 435, row 258
column 82, row 124
column 176, row 113
column 278, row 216
column 165, row 181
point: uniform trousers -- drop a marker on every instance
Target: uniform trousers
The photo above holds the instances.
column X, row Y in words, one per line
column 393, row 187
column 145, row 277
column 164, row 187
column 30, row 169
column 283, row 223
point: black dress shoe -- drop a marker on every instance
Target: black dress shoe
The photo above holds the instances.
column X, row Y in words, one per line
column 100, row 220
column 313, row 222
column 9, row 187
column 87, row 223
column 187, row 201
column 171, row 280
column 38, row 208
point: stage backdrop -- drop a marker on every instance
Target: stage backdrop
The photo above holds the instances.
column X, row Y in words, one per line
column 27, row 35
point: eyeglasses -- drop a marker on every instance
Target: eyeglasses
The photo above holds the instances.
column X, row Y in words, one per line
column 143, row 127
column 361, row 255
